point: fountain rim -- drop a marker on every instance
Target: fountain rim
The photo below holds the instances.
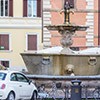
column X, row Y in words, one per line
column 48, row 54
column 69, row 27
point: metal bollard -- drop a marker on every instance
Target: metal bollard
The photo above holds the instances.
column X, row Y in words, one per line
column 76, row 90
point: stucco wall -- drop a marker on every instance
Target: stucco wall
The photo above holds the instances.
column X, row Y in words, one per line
column 18, row 27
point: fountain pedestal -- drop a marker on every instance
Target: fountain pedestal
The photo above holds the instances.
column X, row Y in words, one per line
column 66, row 31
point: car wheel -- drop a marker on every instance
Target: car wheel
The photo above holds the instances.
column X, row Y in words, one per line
column 34, row 96
column 11, row 96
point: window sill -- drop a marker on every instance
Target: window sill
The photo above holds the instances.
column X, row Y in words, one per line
column 30, row 51
column 7, row 17
column 6, row 51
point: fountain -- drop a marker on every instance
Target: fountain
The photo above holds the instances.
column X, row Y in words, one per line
column 66, row 62
column 67, row 29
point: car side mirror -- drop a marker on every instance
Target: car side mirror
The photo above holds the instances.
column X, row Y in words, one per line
column 30, row 82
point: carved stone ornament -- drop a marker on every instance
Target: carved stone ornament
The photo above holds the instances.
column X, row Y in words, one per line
column 92, row 61
column 66, row 40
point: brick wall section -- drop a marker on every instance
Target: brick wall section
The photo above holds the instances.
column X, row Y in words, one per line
column 81, row 16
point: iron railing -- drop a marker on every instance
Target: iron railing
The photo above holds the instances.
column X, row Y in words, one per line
column 60, row 86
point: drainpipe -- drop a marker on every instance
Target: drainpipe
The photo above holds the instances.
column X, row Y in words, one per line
column 98, row 22
column 42, row 18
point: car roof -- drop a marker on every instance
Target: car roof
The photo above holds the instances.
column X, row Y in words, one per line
column 9, row 71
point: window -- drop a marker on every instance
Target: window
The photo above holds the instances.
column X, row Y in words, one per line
column 4, row 42
column 2, row 76
column 6, row 8
column 32, row 42
column 75, row 48
column 21, row 78
column 13, row 77
column 32, row 8
column 5, row 63
column 71, row 2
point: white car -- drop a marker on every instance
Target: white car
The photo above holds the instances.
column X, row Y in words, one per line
column 15, row 85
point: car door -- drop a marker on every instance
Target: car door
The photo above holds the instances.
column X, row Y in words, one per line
column 15, row 85
column 26, row 88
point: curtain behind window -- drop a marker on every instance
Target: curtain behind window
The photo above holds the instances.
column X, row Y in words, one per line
column 25, row 9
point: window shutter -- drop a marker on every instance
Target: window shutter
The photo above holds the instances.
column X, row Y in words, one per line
column 24, row 8
column 32, row 42
column 11, row 8
column 4, row 41
column 38, row 8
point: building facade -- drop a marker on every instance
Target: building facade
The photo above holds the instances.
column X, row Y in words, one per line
column 85, row 13
column 20, row 31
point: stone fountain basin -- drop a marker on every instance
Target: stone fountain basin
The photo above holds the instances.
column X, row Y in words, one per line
column 55, row 63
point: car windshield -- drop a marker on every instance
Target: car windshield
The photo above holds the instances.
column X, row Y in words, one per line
column 2, row 76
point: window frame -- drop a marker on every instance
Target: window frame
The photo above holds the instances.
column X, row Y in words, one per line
column 4, row 33
column 27, row 40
